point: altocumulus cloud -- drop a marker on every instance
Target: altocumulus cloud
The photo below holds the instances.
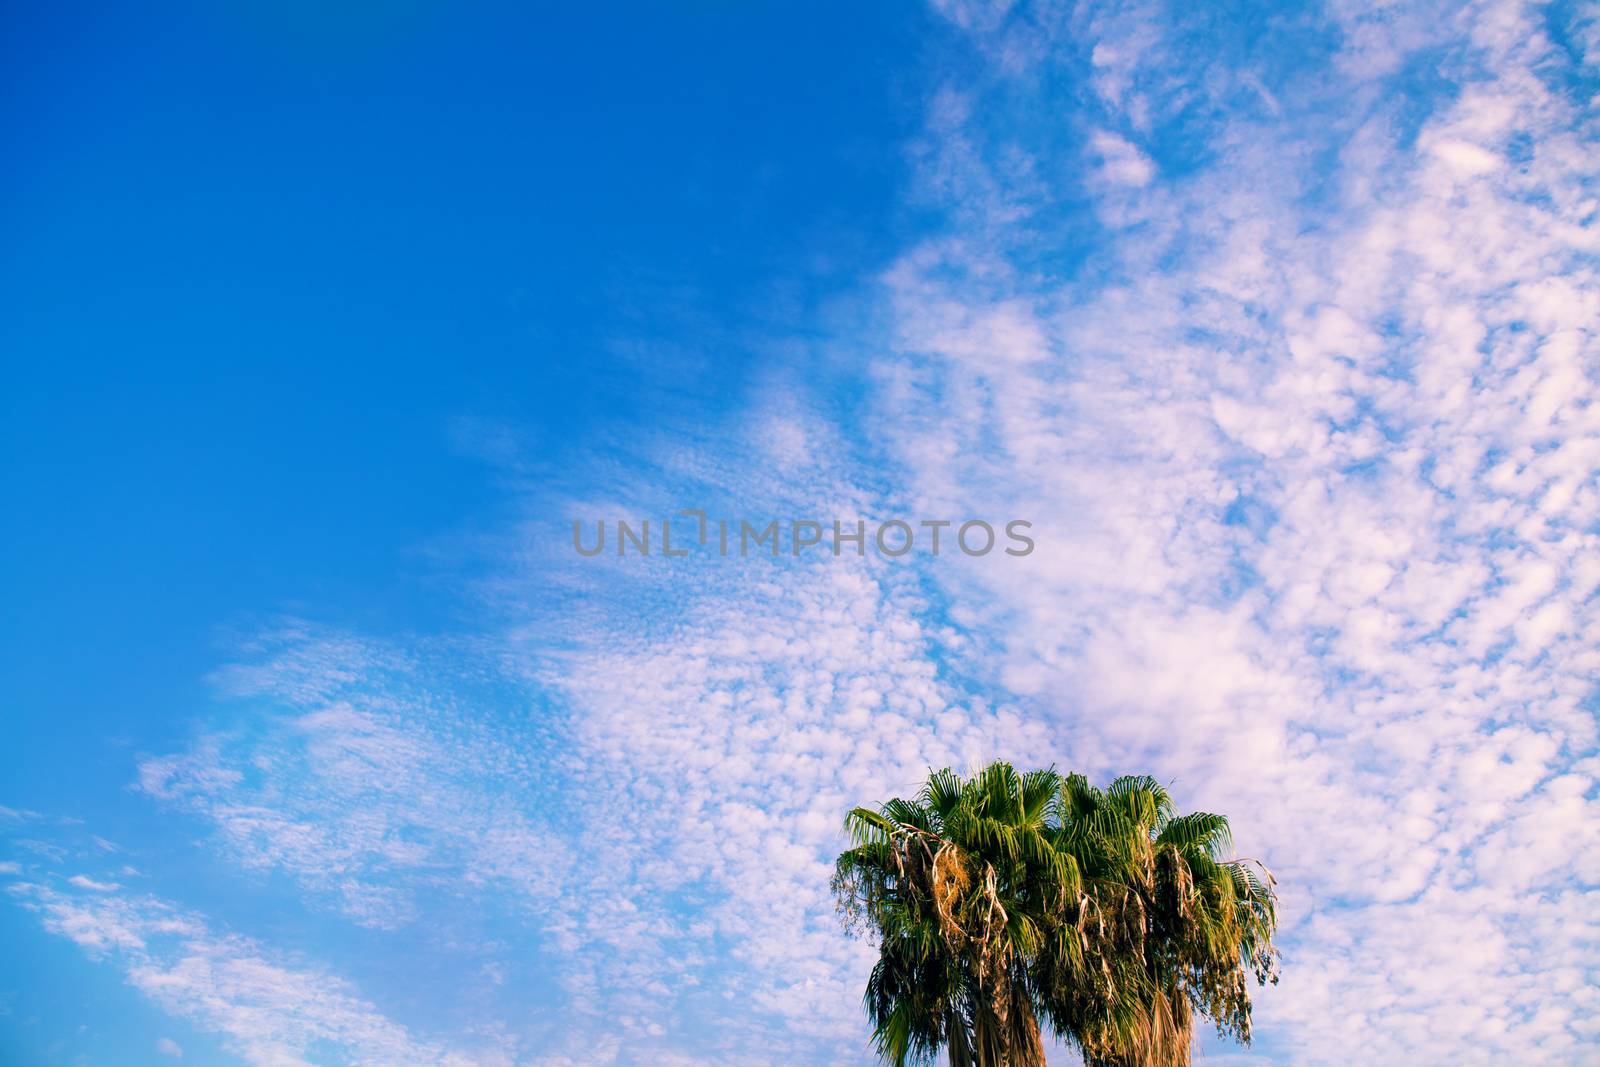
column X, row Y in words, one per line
column 268, row 1009
column 1317, row 429
column 1310, row 432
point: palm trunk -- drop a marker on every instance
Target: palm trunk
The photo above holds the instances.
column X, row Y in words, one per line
column 1005, row 1032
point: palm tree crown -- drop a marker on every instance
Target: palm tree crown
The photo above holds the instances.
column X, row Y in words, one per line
column 1005, row 899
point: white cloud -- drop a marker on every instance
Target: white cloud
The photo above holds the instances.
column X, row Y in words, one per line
column 1313, row 504
column 1466, row 158
column 1315, row 490
column 268, row 1010
column 85, row 882
column 365, row 786
column 1120, row 162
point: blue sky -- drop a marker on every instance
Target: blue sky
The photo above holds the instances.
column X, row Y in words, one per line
column 323, row 746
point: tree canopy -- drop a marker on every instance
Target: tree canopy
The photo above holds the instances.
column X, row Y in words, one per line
column 1005, row 902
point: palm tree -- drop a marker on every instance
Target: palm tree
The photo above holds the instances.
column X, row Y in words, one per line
column 1004, row 899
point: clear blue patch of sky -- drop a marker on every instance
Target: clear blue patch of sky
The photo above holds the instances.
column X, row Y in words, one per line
column 259, row 257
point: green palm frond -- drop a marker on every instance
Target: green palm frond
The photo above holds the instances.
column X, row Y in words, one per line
column 867, row 827
column 943, row 792
column 1145, row 799
column 1039, row 791
column 1199, row 831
